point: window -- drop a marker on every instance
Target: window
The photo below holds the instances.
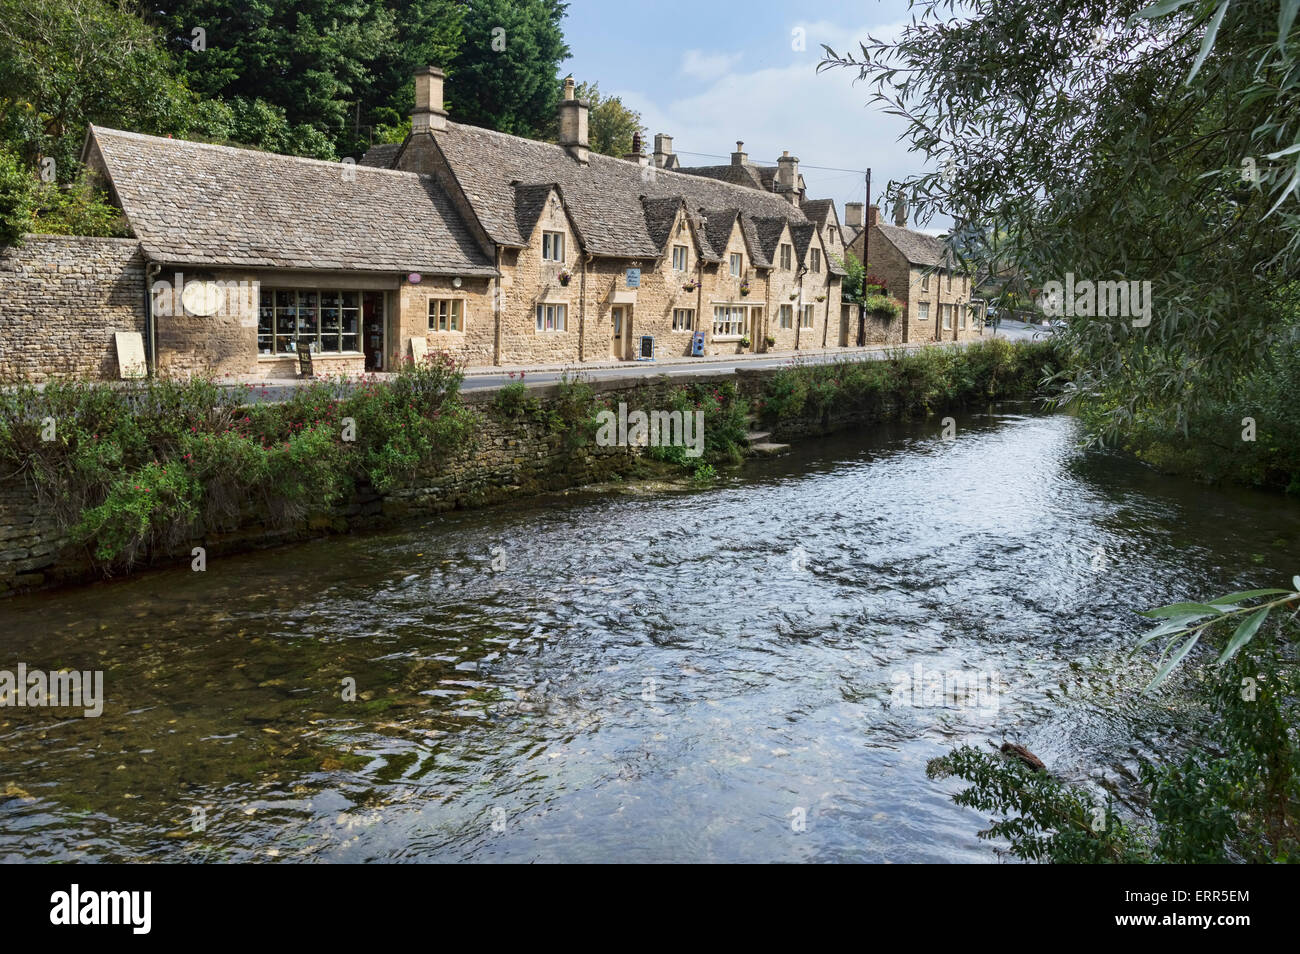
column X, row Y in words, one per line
column 945, row 312
column 787, row 316
column 551, row 317
column 949, row 277
column 325, row 320
column 728, row 321
column 815, row 260
column 679, row 258
column 923, row 311
column 444, row 314
column 553, row 246
column 830, row 235
column 683, row 319
column 961, row 316
column 806, row 319
column 737, row 263
column 786, row 256
column 925, row 281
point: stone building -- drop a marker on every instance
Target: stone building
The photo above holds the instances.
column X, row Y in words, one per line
column 920, row 271
column 498, row 249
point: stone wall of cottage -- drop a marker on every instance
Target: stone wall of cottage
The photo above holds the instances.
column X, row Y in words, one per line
column 475, row 342
column 61, row 300
column 914, row 285
column 528, row 281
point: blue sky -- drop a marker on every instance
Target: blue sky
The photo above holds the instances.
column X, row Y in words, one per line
column 710, row 73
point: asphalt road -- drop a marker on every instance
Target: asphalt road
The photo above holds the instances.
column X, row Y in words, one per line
column 475, row 381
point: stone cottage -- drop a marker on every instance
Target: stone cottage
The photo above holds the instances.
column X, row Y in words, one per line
column 920, row 271
column 497, row 249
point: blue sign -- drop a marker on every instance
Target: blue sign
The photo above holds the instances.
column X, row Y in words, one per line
column 634, row 278
column 697, row 344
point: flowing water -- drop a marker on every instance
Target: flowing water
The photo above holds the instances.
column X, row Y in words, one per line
column 635, row 673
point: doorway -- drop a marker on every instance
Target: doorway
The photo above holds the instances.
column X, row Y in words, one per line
column 621, row 333
column 373, row 329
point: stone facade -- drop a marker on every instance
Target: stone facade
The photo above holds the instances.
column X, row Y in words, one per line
column 64, row 297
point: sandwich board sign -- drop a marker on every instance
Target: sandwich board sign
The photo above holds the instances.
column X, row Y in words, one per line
column 419, row 350
column 130, row 355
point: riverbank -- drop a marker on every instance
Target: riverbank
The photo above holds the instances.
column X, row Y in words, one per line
column 106, row 481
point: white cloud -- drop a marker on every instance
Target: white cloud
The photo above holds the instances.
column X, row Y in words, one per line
column 823, row 118
column 708, row 66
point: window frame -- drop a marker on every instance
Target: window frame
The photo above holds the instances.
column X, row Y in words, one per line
column 922, row 311
column 925, row 280
column 736, row 264
column 739, row 323
column 683, row 319
column 787, row 256
column 559, row 317
column 685, row 254
column 807, row 317
column 815, row 260
column 554, row 240
column 455, row 315
column 785, row 317
column 313, row 301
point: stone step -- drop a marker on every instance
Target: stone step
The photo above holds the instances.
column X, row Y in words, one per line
column 767, row 449
column 756, row 436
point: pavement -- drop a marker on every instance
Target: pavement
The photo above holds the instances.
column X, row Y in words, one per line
column 480, row 378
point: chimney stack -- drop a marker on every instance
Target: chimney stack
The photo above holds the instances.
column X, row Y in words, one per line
column 663, row 154
column 853, row 215
column 900, row 211
column 739, row 157
column 428, row 115
column 787, row 176
column 636, row 155
column 573, row 124
column 873, row 216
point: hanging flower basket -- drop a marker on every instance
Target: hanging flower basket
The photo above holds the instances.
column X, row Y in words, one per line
column 744, row 287
column 690, row 286
column 821, row 297
column 564, row 277
column 794, row 295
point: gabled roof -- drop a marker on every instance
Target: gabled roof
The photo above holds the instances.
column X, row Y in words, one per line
column 194, row 203
column 660, row 214
column 917, row 247
column 770, row 229
column 530, row 201
column 604, row 198
column 381, row 156
column 818, row 210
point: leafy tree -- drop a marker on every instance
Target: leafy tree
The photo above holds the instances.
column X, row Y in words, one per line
column 314, row 59
column 67, row 63
column 17, row 198
column 259, row 124
column 1114, row 141
column 505, row 76
column 851, row 286
column 610, row 124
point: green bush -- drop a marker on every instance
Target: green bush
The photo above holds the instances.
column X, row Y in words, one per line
column 140, row 467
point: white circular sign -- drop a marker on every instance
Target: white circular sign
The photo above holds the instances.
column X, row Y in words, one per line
column 201, row 298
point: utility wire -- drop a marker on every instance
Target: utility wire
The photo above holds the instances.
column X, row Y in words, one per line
column 709, row 155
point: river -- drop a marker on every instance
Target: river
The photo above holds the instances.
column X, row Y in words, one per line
column 638, row 672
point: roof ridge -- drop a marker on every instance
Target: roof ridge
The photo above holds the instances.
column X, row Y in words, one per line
column 220, row 147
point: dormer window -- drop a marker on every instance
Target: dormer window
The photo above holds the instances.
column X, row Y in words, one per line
column 679, row 258
column 553, row 246
column 787, row 256
column 737, row 264
column 815, row 260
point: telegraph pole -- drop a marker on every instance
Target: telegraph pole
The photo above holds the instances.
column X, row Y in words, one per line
column 866, row 246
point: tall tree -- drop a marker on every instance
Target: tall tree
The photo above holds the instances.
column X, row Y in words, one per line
column 610, row 124
column 66, row 63
column 505, row 76
column 1108, row 140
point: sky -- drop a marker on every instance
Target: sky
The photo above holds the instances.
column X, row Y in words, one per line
column 711, row 72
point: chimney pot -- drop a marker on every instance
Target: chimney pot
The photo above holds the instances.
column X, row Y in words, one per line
column 739, row 157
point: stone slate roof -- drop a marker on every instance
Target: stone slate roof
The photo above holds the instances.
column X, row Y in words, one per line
column 660, row 214
column 604, row 198
column 769, row 235
column 743, row 175
column 917, row 247
column 193, row 203
column 818, row 210
column 530, row 200
column 381, row 156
